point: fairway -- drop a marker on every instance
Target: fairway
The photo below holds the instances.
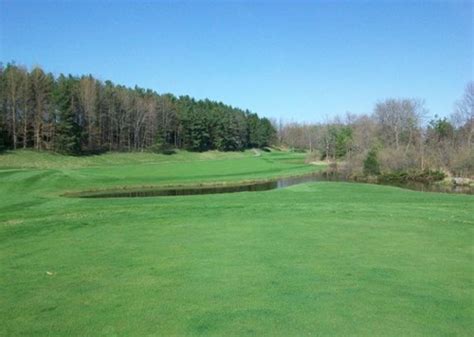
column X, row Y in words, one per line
column 317, row 259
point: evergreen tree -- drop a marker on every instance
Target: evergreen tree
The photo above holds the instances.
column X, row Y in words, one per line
column 371, row 164
column 229, row 136
column 82, row 114
column 342, row 137
column 68, row 130
column 267, row 132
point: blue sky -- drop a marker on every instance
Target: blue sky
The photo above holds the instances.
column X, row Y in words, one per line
column 299, row 60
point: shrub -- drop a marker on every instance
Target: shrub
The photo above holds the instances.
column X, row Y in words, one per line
column 371, row 164
column 163, row 148
column 425, row 176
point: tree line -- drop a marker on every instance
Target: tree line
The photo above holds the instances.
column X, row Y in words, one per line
column 398, row 136
column 81, row 114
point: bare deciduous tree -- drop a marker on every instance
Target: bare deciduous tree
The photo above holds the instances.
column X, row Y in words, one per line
column 398, row 119
column 88, row 100
column 463, row 116
column 15, row 79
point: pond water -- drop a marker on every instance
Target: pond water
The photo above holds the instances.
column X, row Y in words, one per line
column 260, row 186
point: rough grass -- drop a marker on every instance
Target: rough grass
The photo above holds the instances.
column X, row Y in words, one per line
column 48, row 160
column 319, row 259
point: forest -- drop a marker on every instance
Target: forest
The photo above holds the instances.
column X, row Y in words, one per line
column 397, row 136
column 82, row 115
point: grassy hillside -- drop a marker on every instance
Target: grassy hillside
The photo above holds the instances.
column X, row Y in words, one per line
column 66, row 173
column 46, row 160
column 319, row 259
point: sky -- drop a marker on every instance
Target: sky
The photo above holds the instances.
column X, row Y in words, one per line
column 301, row 61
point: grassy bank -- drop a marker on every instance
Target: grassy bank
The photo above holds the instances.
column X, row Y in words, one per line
column 318, row 259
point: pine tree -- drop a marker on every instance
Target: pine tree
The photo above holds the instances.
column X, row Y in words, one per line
column 371, row 164
column 68, row 130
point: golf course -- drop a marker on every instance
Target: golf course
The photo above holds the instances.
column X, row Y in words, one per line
column 314, row 259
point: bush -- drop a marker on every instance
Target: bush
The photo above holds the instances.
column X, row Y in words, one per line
column 371, row 164
column 163, row 148
column 429, row 176
column 426, row 176
column 393, row 160
column 312, row 157
column 463, row 164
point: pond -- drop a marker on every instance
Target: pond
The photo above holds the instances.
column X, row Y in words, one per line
column 257, row 187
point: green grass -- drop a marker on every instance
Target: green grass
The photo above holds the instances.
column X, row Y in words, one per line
column 319, row 259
